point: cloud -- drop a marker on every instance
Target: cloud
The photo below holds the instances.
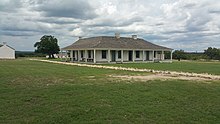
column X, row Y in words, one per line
column 179, row 24
column 55, row 20
column 215, row 11
column 77, row 32
column 14, row 26
column 10, row 5
column 19, row 33
column 116, row 22
column 68, row 8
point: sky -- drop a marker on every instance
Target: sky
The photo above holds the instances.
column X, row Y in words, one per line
column 190, row 25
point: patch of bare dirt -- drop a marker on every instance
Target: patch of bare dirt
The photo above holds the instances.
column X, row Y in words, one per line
column 158, row 77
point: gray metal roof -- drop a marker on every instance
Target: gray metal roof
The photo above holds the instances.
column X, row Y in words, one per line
column 7, row 46
column 113, row 43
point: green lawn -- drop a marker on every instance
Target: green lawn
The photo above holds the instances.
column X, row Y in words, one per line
column 37, row 92
column 185, row 66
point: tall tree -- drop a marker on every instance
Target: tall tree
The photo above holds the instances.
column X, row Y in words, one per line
column 213, row 53
column 47, row 45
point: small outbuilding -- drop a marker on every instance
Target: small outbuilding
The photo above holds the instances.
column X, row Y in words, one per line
column 6, row 52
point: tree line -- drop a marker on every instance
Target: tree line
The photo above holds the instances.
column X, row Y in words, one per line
column 213, row 53
column 208, row 54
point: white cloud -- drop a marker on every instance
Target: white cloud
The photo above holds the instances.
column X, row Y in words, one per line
column 107, row 8
column 77, row 32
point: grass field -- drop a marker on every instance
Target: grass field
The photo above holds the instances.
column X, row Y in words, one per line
column 37, row 92
column 185, row 66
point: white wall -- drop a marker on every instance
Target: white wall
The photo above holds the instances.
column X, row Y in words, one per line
column 159, row 55
column 116, row 55
column 7, row 52
column 151, row 55
column 141, row 55
column 80, row 54
column 125, row 55
column 99, row 56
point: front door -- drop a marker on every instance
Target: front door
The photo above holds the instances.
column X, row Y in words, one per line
column 113, row 52
column 147, row 55
column 130, row 55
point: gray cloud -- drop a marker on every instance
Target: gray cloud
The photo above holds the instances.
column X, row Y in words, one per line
column 189, row 5
column 120, row 22
column 19, row 27
column 71, row 9
column 175, row 32
column 10, row 5
column 19, row 33
column 214, row 11
column 155, row 37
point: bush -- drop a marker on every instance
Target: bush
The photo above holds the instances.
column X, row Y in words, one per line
column 28, row 54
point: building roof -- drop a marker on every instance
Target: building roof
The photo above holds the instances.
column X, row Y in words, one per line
column 114, row 43
column 7, row 46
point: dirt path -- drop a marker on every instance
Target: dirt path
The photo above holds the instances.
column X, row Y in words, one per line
column 170, row 74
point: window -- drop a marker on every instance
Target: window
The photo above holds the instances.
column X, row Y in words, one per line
column 104, row 54
column 89, row 54
column 155, row 52
column 119, row 54
column 137, row 54
column 81, row 54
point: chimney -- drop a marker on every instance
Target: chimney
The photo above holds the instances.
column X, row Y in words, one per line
column 80, row 37
column 117, row 35
column 134, row 37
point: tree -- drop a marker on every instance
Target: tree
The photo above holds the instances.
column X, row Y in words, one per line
column 179, row 54
column 47, row 45
column 167, row 54
column 213, row 53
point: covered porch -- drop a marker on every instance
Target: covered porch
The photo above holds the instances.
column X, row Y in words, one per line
column 118, row 56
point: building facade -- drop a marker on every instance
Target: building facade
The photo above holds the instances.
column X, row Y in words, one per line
column 106, row 49
column 6, row 52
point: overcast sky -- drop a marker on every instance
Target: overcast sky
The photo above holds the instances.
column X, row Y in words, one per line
column 191, row 25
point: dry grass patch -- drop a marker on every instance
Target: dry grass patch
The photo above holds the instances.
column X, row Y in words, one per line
column 158, row 77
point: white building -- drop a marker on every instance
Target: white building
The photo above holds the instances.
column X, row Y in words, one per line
column 6, row 52
column 116, row 49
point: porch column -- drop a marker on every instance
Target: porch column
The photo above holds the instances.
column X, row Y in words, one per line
column 78, row 55
column 61, row 55
column 94, row 56
column 143, row 55
column 86, row 55
column 122, row 56
column 153, row 56
column 162, row 55
column 71, row 55
column 171, row 55
column 109, row 54
column 66, row 55
column 133, row 59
